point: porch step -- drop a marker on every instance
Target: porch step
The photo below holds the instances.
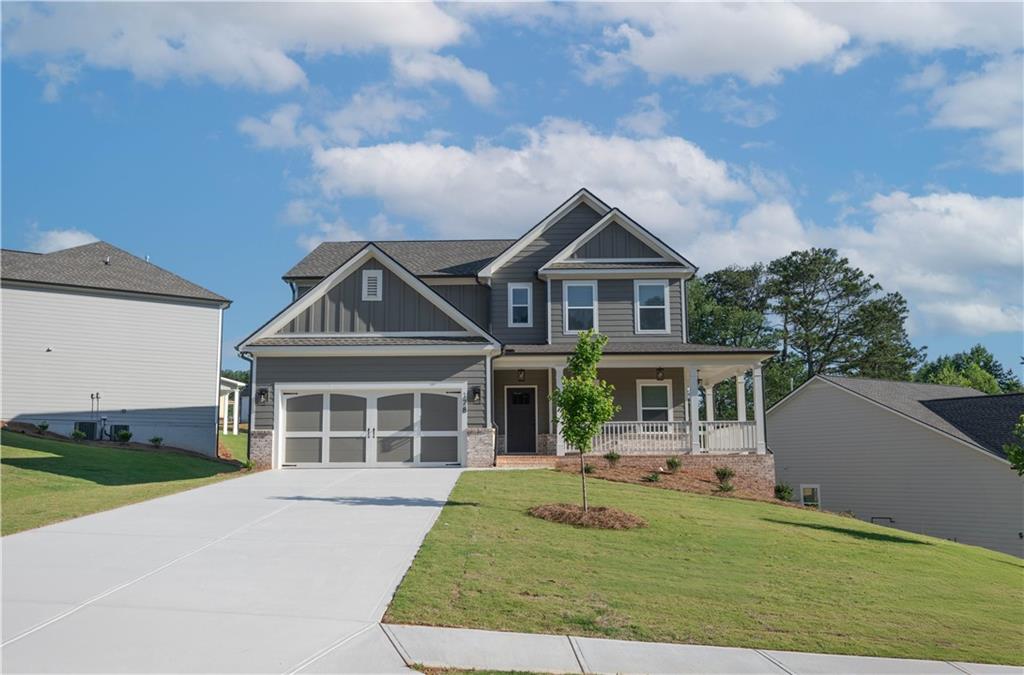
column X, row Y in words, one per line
column 526, row 461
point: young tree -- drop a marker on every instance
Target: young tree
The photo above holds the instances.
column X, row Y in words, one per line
column 584, row 402
column 1015, row 449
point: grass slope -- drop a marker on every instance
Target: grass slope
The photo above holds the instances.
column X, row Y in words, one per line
column 43, row 481
column 708, row 570
column 237, row 444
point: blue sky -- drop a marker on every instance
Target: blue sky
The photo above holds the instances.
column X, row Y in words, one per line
column 226, row 140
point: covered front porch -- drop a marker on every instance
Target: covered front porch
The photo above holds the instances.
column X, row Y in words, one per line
column 666, row 404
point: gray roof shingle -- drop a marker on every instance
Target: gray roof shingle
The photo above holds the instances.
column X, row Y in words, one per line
column 671, row 264
column 961, row 412
column 363, row 341
column 99, row 265
column 464, row 257
column 639, row 348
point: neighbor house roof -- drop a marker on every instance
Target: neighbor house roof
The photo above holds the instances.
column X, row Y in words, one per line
column 964, row 413
column 464, row 257
column 99, row 266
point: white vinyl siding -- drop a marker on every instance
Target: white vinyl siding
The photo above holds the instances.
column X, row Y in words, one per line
column 520, row 305
column 580, row 306
column 650, row 302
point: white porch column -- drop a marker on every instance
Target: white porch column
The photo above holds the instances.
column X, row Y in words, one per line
column 759, row 410
column 559, row 442
column 694, row 410
column 224, row 413
column 234, row 413
column 709, row 402
column 741, row 397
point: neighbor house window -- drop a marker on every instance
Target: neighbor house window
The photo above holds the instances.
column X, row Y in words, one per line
column 650, row 298
column 520, row 305
column 580, row 306
column 810, row 496
column 654, row 401
column 373, row 283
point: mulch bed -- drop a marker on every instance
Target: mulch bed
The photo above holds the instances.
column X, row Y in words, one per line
column 602, row 517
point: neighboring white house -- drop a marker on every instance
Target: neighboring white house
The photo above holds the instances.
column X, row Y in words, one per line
column 96, row 336
column 230, row 405
column 921, row 457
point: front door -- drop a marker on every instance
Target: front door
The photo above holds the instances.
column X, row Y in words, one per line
column 520, row 420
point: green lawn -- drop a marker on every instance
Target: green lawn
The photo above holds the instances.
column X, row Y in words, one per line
column 708, row 570
column 44, row 481
column 237, row 444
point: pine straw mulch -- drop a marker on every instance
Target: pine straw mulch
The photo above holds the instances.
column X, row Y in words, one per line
column 602, row 517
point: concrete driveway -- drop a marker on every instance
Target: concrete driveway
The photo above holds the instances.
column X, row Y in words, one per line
column 277, row 572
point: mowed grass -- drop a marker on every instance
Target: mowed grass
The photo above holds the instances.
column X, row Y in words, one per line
column 43, row 481
column 708, row 570
column 237, row 444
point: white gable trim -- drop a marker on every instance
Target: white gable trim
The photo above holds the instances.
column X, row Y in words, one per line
column 369, row 252
column 631, row 226
column 873, row 402
column 583, row 196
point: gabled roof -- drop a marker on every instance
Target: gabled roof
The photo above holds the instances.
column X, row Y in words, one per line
column 464, row 257
column 562, row 259
column 101, row 266
column 966, row 414
column 369, row 250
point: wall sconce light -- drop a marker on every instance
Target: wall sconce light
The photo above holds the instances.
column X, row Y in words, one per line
column 474, row 394
column 521, row 375
column 659, row 374
column 262, row 395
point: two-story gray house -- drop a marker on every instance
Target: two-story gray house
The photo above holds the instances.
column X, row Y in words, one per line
column 426, row 353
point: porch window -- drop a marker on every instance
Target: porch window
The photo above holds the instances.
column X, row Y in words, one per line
column 654, row 401
column 650, row 298
column 810, row 496
column 580, row 306
column 520, row 305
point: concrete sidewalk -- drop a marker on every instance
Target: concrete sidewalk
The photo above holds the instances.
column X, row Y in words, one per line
column 490, row 650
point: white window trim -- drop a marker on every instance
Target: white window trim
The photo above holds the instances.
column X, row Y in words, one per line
column 640, row 384
column 529, row 304
column 817, row 489
column 637, row 283
column 379, row 274
column 566, row 285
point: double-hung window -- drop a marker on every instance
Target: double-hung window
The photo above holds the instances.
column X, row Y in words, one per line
column 810, row 495
column 650, row 300
column 580, row 306
column 654, row 401
column 520, row 305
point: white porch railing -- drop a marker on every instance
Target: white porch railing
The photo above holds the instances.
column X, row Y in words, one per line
column 727, row 436
column 637, row 438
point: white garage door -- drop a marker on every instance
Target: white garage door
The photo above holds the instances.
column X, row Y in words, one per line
column 364, row 427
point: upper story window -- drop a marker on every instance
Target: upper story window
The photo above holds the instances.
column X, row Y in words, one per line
column 520, row 305
column 373, row 285
column 650, row 298
column 580, row 306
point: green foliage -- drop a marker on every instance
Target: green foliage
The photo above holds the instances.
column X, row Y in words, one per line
column 673, row 464
column 78, row 435
column 1015, row 449
column 157, row 441
column 124, row 436
column 612, row 457
column 589, row 468
column 783, row 492
column 652, row 477
column 43, row 426
column 237, row 375
column 724, row 474
column 976, row 368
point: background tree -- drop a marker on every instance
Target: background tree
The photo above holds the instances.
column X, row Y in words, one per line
column 584, row 402
column 962, row 368
column 882, row 347
column 1015, row 449
column 972, row 375
column 237, row 375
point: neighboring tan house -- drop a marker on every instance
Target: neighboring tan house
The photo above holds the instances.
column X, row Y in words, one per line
column 445, row 352
column 921, row 457
column 96, row 336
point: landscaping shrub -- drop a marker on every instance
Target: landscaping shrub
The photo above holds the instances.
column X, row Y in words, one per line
column 157, row 441
column 725, row 474
column 124, row 436
column 652, row 477
column 673, row 464
column 43, row 426
column 78, row 435
column 783, row 492
column 589, row 468
column 613, row 458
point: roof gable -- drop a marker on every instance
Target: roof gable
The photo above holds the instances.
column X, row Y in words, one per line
column 615, row 242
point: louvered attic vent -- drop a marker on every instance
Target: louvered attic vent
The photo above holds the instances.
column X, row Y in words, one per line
column 372, row 285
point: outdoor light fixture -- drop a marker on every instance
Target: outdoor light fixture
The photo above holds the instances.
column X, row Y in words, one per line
column 474, row 394
column 262, row 395
column 660, row 374
column 521, row 375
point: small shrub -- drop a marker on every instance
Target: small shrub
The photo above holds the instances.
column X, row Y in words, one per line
column 78, row 435
column 724, row 474
column 157, row 441
column 589, row 468
column 124, row 436
column 783, row 492
column 43, row 426
column 673, row 464
column 248, row 465
column 612, row 457
column 653, row 477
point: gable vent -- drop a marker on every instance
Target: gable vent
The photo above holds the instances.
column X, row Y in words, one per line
column 373, row 280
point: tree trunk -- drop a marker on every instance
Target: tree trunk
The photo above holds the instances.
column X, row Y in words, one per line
column 583, row 477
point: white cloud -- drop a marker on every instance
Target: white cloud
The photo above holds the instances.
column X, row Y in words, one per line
column 236, row 44
column 57, row 76
column 929, row 77
column 420, row 68
column 374, row 112
column 738, row 110
column 647, row 118
column 337, row 230
column 299, row 212
column 279, row 129
column 767, row 231
column 47, row 241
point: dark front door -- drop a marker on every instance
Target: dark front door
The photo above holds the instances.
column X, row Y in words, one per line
column 520, row 419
